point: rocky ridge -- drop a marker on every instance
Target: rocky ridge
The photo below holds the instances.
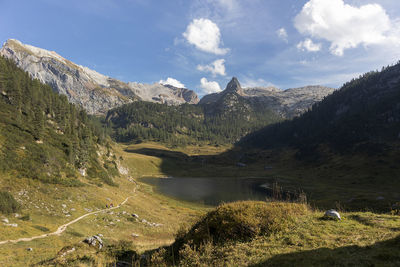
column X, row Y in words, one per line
column 287, row 103
column 95, row 92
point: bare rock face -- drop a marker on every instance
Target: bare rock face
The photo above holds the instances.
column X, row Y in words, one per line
column 95, row 92
column 287, row 103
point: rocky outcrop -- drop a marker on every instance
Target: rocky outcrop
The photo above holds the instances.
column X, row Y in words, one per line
column 95, row 92
column 287, row 103
column 95, row 241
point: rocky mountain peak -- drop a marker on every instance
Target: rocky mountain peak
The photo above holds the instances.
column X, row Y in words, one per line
column 95, row 92
column 287, row 103
column 234, row 86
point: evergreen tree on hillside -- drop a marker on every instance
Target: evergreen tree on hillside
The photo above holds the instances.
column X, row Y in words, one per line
column 42, row 135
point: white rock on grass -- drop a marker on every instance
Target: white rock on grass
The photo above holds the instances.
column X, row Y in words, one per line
column 332, row 214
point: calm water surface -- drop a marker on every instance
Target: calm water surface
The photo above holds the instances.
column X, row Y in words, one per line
column 212, row 191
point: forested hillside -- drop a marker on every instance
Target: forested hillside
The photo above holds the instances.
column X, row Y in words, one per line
column 42, row 135
column 184, row 124
column 364, row 115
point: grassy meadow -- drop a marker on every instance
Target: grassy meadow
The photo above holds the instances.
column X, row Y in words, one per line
column 302, row 238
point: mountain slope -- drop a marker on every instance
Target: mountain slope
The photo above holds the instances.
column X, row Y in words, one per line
column 95, row 92
column 42, row 136
column 287, row 103
column 218, row 123
column 363, row 113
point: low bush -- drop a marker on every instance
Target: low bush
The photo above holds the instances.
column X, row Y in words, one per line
column 242, row 221
column 8, row 204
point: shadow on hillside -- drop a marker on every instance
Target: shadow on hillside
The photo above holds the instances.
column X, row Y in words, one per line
column 385, row 253
column 228, row 157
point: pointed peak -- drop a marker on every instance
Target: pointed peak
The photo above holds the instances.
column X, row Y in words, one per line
column 234, row 86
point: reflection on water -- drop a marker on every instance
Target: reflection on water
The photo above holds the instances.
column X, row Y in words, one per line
column 212, row 191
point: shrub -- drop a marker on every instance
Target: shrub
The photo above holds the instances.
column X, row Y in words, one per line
column 7, row 203
column 244, row 220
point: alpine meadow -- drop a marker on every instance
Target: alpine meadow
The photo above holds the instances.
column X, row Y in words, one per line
column 200, row 133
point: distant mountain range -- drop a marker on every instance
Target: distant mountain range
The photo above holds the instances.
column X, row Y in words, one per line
column 95, row 92
column 98, row 93
column 285, row 103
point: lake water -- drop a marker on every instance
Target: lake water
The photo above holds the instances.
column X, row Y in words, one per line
column 212, row 191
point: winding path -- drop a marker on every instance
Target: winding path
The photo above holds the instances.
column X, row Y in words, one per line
column 63, row 227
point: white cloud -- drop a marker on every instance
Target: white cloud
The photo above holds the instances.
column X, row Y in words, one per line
column 205, row 35
column 346, row 26
column 251, row 83
column 228, row 4
column 216, row 67
column 209, row 87
column 173, row 82
column 309, row 45
column 282, row 34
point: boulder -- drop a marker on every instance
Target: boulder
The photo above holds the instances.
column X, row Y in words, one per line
column 332, row 214
column 95, row 241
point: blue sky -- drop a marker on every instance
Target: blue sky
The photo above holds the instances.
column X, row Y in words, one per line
column 201, row 44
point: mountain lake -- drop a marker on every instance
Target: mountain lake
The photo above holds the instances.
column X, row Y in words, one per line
column 212, row 191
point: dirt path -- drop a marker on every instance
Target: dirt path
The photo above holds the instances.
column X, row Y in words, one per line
column 63, row 227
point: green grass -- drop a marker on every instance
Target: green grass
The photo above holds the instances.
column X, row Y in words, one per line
column 243, row 233
column 297, row 236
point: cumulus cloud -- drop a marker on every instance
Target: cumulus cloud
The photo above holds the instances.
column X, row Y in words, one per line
column 209, row 87
column 173, row 82
column 282, row 34
column 346, row 26
column 216, row 67
column 205, row 36
column 309, row 45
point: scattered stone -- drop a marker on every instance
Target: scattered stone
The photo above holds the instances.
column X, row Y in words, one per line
column 135, row 215
column 29, row 249
column 122, row 170
column 94, row 241
column 5, row 220
column 332, row 214
column 11, row 224
column 64, row 206
column 82, row 171
column 135, row 235
column 17, row 215
column 73, row 209
column 67, row 252
column 124, row 212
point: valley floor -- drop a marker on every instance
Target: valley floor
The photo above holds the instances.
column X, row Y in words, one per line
column 366, row 236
